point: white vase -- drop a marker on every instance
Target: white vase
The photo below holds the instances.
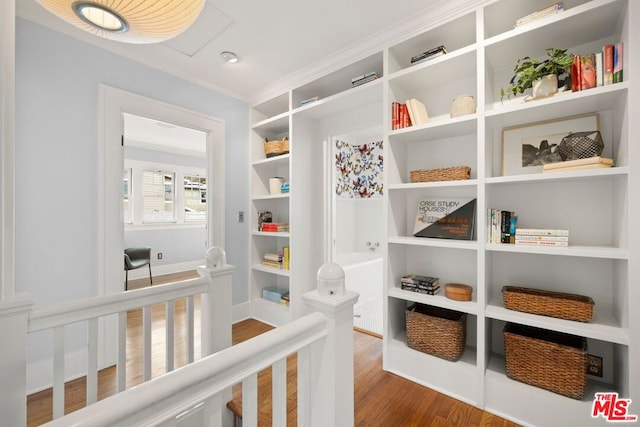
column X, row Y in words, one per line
column 545, row 86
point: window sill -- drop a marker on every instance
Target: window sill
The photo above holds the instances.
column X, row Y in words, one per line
column 163, row 226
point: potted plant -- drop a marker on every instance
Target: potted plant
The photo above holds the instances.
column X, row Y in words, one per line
column 540, row 75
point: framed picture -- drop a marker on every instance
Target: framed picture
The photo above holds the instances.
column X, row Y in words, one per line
column 526, row 148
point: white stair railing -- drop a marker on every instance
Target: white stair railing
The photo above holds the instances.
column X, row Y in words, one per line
column 193, row 395
column 19, row 318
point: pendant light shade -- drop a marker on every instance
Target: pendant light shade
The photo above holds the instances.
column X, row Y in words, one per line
column 131, row 21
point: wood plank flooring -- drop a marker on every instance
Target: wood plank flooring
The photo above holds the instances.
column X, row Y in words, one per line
column 381, row 398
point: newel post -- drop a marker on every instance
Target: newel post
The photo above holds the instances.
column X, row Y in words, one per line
column 331, row 368
column 217, row 320
column 14, row 322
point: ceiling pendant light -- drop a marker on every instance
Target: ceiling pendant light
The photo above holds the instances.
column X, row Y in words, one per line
column 140, row 21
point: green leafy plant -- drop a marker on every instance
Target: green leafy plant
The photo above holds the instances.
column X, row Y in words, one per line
column 527, row 70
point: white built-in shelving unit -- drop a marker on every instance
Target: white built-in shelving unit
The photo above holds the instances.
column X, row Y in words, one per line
column 599, row 207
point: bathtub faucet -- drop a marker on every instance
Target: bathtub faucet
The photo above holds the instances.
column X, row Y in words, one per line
column 372, row 246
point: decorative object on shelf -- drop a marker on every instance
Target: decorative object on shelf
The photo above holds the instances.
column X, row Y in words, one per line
column 548, row 303
column 284, row 187
column 421, row 284
column 436, row 331
column 142, row 21
column 581, row 145
column 358, row 170
column 263, row 217
column 453, row 173
column 275, row 185
column 458, row 291
column 276, row 148
column 529, row 72
column 446, row 218
column 463, row 105
column 428, row 55
column 525, row 149
column 550, row 360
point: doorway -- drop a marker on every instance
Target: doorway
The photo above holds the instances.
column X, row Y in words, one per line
column 113, row 104
column 356, row 206
column 165, row 195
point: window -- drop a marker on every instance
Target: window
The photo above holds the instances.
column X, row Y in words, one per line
column 158, row 196
column 152, row 194
column 195, row 198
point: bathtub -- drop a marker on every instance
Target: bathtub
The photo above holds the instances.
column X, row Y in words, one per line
column 363, row 274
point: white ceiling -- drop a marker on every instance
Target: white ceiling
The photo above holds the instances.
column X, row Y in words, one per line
column 275, row 40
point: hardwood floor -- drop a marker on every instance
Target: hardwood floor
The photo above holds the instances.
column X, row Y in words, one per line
column 381, row 398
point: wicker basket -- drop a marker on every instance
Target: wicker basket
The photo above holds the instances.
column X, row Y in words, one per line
column 548, row 303
column 276, row 148
column 550, row 360
column 436, row 331
column 441, row 174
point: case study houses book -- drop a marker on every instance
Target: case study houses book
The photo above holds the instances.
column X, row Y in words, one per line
column 446, row 218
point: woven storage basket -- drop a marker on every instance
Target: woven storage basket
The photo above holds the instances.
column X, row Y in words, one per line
column 276, row 148
column 550, row 360
column 548, row 303
column 436, row 331
column 441, row 174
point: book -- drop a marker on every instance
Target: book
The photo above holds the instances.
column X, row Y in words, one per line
column 607, row 62
column 422, row 281
column 417, row 111
column 446, row 218
column 285, row 256
column 588, row 71
column 617, row 63
column 550, row 10
column 308, row 100
column 542, row 237
column 599, row 70
column 589, row 162
column 363, row 81
column 540, row 243
column 541, row 232
column 430, row 54
column 275, row 294
column 576, row 74
column 364, row 76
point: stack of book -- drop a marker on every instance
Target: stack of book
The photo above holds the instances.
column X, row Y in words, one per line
column 428, row 55
column 502, row 226
column 273, row 260
column 542, row 237
column 274, row 227
column 421, row 284
column 550, row 10
column 365, row 78
column 597, row 69
column 588, row 163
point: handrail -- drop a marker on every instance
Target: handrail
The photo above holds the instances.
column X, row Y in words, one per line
column 169, row 395
column 46, row 317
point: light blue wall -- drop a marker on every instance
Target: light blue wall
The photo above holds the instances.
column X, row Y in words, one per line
column 57, row 160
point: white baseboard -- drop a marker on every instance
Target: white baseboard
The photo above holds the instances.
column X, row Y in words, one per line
column 240, row 312
column 159, row 270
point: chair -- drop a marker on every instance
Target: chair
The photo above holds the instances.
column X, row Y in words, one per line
column 136, row 258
